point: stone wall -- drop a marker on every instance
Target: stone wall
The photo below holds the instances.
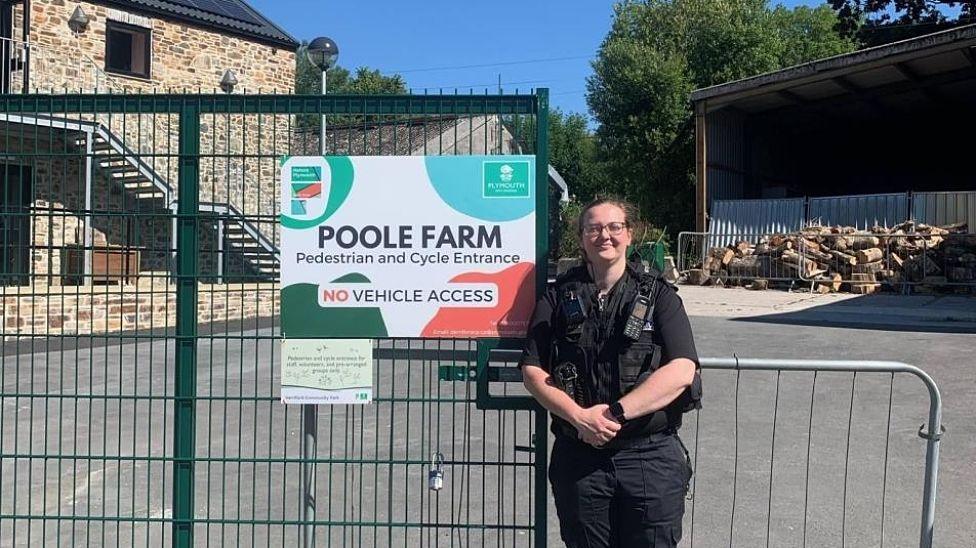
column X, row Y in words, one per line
column 184, row 57
column 238, row 161
column 47, row 310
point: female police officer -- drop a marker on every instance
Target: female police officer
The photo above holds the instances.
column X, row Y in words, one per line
column 610, row 354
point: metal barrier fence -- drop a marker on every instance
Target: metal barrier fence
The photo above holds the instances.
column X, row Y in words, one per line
column 140, row 362
column 694, row 247
column 803, row 472
column 794, row 452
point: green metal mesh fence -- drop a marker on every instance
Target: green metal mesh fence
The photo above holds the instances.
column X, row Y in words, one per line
column 140, row 363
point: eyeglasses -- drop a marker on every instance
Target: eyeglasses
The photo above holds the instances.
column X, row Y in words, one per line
column 614, row 229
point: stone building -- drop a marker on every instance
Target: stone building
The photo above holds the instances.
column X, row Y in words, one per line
column 94, row 181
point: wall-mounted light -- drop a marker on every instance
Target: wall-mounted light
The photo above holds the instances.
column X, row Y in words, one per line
column 228, row 81
column 78, row 22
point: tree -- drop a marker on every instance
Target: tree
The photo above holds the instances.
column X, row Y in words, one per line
column 656, row 53
column 308, row 81
column 876, row 22
column 574, row 153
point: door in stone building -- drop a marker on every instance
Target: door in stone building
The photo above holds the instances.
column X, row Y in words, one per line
column 15, row 240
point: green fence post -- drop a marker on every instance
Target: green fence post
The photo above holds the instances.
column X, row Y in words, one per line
column 184, row 401
column 542, row 274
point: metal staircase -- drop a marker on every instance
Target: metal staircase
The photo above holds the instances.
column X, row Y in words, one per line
column 237, row 237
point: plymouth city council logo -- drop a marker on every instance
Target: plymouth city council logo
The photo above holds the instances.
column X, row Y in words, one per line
column 506, row 179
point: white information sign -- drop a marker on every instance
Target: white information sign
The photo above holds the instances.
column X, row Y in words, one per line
column 407, row 246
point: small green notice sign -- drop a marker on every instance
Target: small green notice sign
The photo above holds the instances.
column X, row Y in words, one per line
column 506, row 180
column 327, row 371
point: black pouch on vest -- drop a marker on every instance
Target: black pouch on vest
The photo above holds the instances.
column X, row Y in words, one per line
column 636, row 362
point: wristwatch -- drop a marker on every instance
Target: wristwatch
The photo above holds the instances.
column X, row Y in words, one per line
column 617, row 411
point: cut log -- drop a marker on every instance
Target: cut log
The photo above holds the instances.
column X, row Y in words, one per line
column 822, row 289
column 897, row 261
column 710, row 264
column 698, row 277
column 751, row 266
column 843, row 258
column 864, row 242
column 758, row 285
column 869, row 255
column 872, row 268
column 805, row 267
column 727, row 256
column 742, row 248
column 838, row 243
column 809, row 245
column 864, row 284
column 831, row 281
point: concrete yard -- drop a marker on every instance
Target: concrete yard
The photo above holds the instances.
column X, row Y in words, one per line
column 374, row 459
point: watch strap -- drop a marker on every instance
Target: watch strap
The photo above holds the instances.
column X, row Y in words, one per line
column 617, row 411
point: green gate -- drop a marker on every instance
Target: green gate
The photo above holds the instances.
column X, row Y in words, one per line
column 140, row 357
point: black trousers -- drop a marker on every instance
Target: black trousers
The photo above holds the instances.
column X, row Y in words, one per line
column 625, row 498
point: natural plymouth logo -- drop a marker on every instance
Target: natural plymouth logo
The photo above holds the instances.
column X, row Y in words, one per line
column 506, row 180
column 306, row 186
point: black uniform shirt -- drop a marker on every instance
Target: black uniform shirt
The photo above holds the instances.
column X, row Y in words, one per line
column 671, row 331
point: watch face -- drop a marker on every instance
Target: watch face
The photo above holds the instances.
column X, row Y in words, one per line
column 617, row 411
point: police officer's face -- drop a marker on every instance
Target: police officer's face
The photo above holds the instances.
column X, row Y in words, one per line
column 600, row 244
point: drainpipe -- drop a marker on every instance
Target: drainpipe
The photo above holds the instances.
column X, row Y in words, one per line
column 27, row 45
column 220, row 250
column 89, row 166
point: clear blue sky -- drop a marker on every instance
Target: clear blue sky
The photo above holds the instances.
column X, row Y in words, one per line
column 416, row 37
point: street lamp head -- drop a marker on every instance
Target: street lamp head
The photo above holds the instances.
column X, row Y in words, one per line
column 322, row 52
column 78, row 21
column 228, row 81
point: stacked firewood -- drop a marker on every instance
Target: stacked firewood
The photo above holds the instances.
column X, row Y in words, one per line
column 839, row 258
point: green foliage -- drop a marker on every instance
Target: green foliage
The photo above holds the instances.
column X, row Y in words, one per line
column 573, row 152
column 883, row 21
column 308, row 81
column 656, row 53
column 568, row 241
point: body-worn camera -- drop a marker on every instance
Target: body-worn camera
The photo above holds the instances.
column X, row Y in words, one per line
column 572, row 306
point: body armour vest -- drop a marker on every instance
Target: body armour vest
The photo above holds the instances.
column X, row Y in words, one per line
column 589, row 340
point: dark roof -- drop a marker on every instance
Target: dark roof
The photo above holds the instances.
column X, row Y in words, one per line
column 941, row 58
column 228, row 16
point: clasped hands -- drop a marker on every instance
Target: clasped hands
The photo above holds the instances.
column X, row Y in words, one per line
column 595, row 425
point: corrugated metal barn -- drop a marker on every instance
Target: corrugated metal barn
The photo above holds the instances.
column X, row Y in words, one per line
column 875, row 136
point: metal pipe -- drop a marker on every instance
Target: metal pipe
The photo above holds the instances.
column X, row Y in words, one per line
column 89, row 166
column 310, row 425
column 27, row 45
column 932, row 437
column 309, row 445
column 220, row 250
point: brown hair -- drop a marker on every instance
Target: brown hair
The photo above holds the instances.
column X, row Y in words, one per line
column 631, row 215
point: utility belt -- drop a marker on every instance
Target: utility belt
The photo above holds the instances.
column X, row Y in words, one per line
column 569, row 433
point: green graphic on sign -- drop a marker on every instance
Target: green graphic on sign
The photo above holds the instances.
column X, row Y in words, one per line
column 306, row 174
column 506, row 180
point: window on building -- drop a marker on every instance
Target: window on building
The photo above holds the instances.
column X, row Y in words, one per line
column 127, row 49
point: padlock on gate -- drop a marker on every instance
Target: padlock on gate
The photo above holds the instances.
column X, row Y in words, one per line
column 435, row 477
